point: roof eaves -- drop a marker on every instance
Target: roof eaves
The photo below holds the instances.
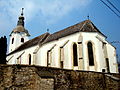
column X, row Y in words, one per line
column 36, row 39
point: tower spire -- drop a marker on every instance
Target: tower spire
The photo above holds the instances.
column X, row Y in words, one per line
column 21, row 19
column 22, row 12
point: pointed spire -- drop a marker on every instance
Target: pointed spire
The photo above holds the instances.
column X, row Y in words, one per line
column 22, row 12
column 21, row 19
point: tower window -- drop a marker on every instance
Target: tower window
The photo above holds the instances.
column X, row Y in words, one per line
column 90, row 54
column 12, row 40
column 75, row 61
column 29, row 59
column 22, row 40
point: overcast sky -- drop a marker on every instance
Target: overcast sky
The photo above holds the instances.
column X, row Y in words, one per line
column 55, row 15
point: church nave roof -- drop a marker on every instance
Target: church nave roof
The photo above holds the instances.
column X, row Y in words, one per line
column 85, row 26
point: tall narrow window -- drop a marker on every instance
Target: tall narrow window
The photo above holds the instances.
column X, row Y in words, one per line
column 29, row 59
column 61, row 57
column 107, row 64
column 61, row 64
column 22, row 40
column 48, row 53
column 49, row 58
column 90, row 54
column 12, row 40
column 75, row 60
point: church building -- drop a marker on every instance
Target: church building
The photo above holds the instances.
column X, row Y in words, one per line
column 78, row 47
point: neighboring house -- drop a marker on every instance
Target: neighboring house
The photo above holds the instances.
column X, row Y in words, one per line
column 78, row 47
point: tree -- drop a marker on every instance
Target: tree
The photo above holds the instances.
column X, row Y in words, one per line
column 3, row 49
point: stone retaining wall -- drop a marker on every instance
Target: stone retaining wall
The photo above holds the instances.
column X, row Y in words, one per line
column 23, row 77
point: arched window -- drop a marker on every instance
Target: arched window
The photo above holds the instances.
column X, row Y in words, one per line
column 90, row 54
column 75, row 60
column 22, row 40
column 29, row 59
column 12, row 40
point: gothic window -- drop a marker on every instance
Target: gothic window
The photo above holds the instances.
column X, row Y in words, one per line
column 90, row 54
column 61, row 57
column 107, row 64
column 49, row 58
column 12, row 40
column 22, row 40
column 75, row 60
column 29, row 59
column 61, row 64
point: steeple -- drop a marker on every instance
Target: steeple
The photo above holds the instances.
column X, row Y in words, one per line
column 20, row 25
column 21, row 19
column 19, row 34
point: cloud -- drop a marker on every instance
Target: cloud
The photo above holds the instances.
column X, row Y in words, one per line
column 49, row 10
column 56, row 9
column 12, row 8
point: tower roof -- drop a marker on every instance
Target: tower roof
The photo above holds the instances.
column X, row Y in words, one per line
column 20, row 25
column 21, row 19
column 19, row 29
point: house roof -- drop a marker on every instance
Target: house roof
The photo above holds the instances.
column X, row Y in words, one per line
column 31, row 42
column 85, row 26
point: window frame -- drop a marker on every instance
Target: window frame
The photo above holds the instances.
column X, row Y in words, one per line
column 75, row 54
column 90, row 53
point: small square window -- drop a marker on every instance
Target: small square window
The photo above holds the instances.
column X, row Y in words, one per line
column 22, row 40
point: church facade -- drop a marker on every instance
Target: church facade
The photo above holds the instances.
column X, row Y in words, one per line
column 78, row 47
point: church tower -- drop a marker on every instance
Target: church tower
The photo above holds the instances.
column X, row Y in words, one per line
column 19, row 35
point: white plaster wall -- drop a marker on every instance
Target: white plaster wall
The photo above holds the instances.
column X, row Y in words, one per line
column 68, row 54
column 86, row 37
column 17, row 40
column 97, row 51
column 24, row 55
column 68, row 64
column 41, row 54
column 112, row 58
column 101, row 57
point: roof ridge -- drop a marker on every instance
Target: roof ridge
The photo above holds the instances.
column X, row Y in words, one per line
column 72, row 26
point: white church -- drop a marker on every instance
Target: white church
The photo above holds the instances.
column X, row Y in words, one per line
column 78, row 47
